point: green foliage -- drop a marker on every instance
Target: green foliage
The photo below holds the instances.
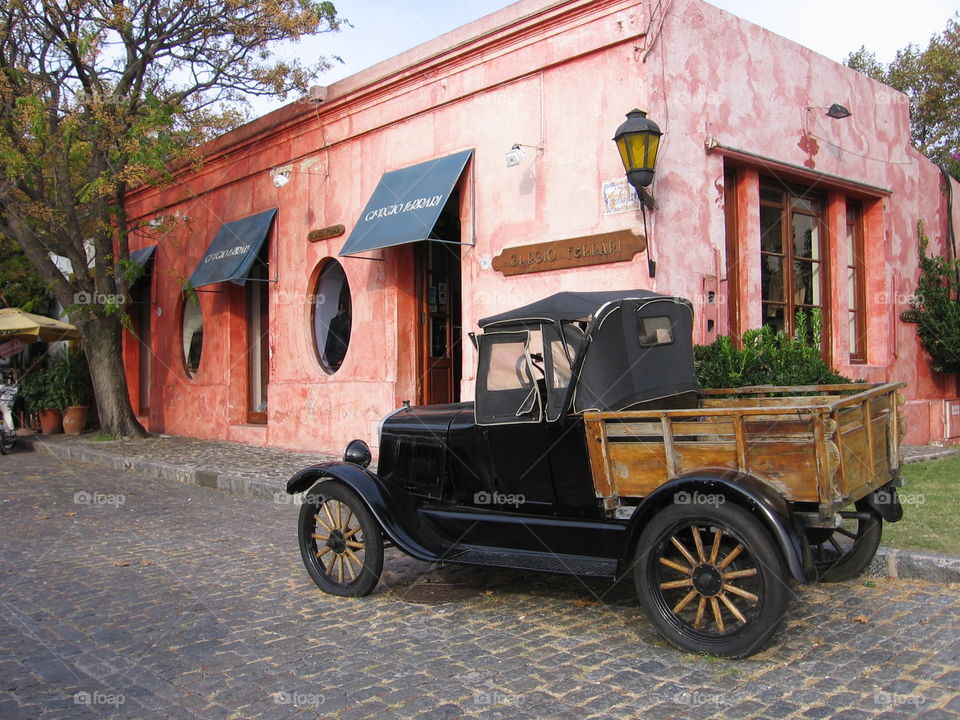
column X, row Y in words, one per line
column 20, row 285
column 930, row 79
column 63, row 382
column 77, row 377
column 767, row 358
column 936, row 307
column 46, row 387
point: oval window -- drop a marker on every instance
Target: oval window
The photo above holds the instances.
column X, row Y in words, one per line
column 192, row 327
column 332, row 316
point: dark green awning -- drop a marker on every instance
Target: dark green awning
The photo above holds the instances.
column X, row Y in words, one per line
column 405, row 205
column 233, row 251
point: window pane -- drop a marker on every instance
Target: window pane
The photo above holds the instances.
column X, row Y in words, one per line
column 853, row 212
column 771, row 229
column 508, row 367
column 773, row 317
column 771, row 278
column 805, row 204
column 806, row 283
column 332, row 316
column 768, row 195
column 854, row 339
column 561, row 363
column 655, row 331
column 851, row 246
column 851, row 289
column 806, row 237
column 192, row 334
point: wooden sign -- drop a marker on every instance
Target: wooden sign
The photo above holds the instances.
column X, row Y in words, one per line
column 609, row 247
column 10, row 348
column 326, row 233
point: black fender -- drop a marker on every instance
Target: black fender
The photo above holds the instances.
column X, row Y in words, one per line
column 769, row 506
column 386, row 503
column 885, row 502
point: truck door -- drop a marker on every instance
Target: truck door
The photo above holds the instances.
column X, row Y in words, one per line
column 509, row 409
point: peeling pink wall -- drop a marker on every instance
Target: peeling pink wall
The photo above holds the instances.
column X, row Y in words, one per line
column 557, row 76
column 716, row 78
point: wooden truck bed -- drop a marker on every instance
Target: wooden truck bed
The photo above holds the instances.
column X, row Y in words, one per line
column 824, row 444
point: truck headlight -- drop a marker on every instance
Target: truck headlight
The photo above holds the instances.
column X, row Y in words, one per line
column 357, row 453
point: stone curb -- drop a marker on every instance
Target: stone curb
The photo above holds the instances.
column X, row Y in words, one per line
column 929, row 455
column 888, row 562
column 915, row 565
column 258, row 488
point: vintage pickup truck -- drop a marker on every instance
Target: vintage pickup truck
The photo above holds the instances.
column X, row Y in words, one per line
column 590, row 450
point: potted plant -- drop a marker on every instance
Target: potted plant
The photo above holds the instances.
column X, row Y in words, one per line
column 79, row 391
column 46, row 391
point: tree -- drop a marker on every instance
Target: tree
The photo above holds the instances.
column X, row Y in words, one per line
column 97, row 96
column 931, row 81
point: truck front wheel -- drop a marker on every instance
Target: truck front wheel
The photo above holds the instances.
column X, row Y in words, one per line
column 340, row 541
column 710, row 579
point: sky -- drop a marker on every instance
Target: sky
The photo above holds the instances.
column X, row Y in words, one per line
column 384, row 28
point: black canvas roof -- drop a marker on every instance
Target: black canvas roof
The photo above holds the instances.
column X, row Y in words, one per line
column 567, row 306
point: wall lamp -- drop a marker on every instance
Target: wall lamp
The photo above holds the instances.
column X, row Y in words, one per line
column 281, row 176
column 515, row 154
column 835, row 111
column 838, row 112
column 638, row 140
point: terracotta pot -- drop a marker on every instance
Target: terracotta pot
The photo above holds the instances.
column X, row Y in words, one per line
column 75, row 419
column 51, row 421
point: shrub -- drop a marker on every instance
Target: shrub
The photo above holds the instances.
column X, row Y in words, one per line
column 767, row 358
column 46, row 387
column 936, row 309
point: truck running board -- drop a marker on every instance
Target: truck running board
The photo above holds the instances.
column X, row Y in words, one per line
column 541, row 562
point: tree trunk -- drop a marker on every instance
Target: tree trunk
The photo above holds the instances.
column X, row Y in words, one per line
column 102, row 343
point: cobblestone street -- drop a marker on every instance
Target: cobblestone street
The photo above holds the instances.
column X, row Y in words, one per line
column 125, row 596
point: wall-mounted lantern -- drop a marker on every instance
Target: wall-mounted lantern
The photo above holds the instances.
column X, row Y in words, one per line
column 638, row 140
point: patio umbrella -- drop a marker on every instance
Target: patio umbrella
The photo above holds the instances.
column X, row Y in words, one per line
column 28, row 328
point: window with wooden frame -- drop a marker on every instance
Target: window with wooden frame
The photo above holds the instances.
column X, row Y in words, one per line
column 792, row 268
column 856, row 283
column 257, row 299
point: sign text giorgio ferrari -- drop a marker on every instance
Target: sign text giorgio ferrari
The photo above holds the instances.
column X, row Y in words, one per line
column 575, row 252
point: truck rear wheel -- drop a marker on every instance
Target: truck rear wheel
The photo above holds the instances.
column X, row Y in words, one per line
column 710, row 579
column 845, row 552
column 340, row 541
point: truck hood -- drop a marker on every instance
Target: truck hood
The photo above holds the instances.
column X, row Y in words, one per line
column 427, row 420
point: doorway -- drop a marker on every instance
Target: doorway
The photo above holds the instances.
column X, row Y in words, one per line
column 143, row 330
column 439, row 326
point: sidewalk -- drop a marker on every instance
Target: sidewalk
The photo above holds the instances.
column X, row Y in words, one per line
column 244, row 470
column 258, row 472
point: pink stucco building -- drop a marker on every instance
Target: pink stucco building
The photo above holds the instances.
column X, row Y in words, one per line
column 765, row 206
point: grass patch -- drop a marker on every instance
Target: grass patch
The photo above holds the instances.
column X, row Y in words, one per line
column 103, row 437
column 931, row 508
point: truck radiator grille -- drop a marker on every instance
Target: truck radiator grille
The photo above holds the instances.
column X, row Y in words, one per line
column 416, row 464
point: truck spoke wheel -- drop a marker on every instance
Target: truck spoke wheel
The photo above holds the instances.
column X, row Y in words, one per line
column 846, row 552
column 340, row 541
column 710, row 579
